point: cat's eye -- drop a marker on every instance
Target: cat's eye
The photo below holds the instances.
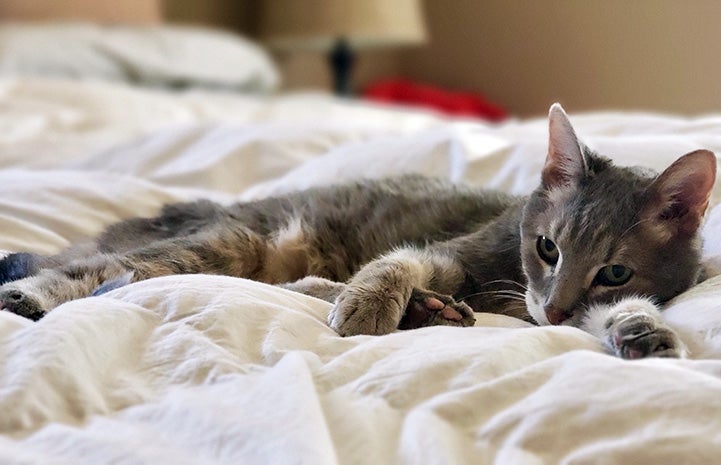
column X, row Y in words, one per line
column 547, row 250
column 613, row 275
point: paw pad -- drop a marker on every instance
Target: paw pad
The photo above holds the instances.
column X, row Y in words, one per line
column 429, row 309
column 641, row 336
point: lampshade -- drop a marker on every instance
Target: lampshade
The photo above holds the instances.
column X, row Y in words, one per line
column 318, row 24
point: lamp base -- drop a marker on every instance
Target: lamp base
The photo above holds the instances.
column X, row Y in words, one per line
column 341, row 59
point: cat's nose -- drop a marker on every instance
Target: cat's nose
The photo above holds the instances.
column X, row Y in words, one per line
column 555, row 315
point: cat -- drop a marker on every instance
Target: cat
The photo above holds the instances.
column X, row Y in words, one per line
column 595, row 246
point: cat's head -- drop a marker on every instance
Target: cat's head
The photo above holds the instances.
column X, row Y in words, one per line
column 593, row 232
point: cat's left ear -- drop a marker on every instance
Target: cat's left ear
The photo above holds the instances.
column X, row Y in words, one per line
column 565, row 164
column 678, row 197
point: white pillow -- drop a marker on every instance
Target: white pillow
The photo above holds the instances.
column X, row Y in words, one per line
column 166, row 56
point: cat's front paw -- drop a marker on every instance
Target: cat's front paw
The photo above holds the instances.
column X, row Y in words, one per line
column 427, row 308
column 640, row 335
column 382, row 311
column 21, row 303
column 373, row 310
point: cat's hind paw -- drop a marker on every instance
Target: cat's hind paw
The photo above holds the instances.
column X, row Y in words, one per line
column 21, row 303
column 317, row 287
column 17, row 266
column 427, row 308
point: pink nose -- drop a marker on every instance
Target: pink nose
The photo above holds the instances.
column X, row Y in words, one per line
column 555, row 315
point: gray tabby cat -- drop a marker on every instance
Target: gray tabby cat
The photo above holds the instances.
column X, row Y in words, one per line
column 415, row 251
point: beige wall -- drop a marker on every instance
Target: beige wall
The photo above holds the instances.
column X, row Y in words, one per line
column 134, row 11
column 230, row 14
column 524, row 54
column 642, row 54
column 662, row 55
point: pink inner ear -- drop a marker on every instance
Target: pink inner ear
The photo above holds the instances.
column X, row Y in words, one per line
column 683, row 190
column 555, row 176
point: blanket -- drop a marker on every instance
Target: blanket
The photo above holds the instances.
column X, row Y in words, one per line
column 212, row 369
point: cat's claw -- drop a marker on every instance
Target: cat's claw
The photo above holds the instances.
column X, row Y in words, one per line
column 430, row 309
column 20, row 303
column 638, row 335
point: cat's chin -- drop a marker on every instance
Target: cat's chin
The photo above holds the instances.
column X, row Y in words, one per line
column 536, row 310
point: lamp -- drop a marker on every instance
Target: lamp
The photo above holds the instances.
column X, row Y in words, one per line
column 339, row 27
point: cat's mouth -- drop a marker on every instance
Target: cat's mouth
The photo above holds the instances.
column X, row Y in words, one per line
column 543, row 318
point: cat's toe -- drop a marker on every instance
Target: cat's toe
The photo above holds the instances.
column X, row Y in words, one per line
column 20, row 303
column 430, row 309
column 364, row 311
column 642, row 336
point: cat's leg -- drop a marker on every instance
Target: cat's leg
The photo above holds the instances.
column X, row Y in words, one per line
column 424, row 308
column 317, row 287
column 234, row 252
column 632, row 329
column 34, row 296
column 21, row 265
column 408, row 288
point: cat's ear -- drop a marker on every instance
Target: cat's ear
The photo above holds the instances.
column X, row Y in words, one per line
column 677, row 199
column 565, row 163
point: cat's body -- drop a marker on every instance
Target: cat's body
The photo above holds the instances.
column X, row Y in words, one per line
column 414, row 251
column 328, row 232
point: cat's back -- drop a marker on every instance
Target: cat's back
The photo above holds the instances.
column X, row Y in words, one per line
column 423, row 200
column 410, row 205
column 360, row 220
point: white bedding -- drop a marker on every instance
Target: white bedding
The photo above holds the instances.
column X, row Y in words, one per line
column 208, row 369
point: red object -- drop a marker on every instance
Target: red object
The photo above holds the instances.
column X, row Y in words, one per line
column 403, row 91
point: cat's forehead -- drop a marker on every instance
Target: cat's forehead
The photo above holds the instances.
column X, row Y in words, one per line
column 614, row 188
column 596, row 214
column 641, row 171
column 589, row 233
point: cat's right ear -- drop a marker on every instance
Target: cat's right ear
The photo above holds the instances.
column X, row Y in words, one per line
column 565, row 164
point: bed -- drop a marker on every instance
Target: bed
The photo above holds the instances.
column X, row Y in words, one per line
column 209, row 369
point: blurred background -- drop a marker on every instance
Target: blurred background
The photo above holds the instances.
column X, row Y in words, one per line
column 517, row 55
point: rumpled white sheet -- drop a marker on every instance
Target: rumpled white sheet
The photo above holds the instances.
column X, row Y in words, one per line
column 208, row 369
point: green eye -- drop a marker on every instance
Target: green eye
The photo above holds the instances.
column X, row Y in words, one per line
column 613, row 275
column 547, row 250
